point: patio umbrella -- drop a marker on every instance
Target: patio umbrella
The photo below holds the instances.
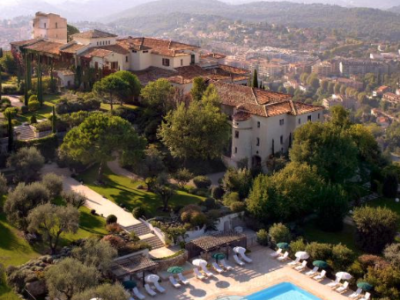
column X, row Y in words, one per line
column 364, row 285
column 320, row 264
column 344, row 275
column 283, row 246
column 199, row 262
column 302, row 255
column 239, row 249
column 152, row 278
column 129, row 284
column 175, row 270
column 218, row 256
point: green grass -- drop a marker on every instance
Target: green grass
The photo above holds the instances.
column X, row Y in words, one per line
column 44, row 112
column 388, row 203
column 123, row 190
column 107, row 107
column 346, row 236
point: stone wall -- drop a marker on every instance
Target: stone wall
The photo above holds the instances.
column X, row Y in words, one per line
column 179, row 260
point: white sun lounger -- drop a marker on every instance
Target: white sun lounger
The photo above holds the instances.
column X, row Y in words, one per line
column 312, row 272
column 183, row 279
column 335, row 283
column 206, row 271
column 302, row 266
column 149, row 290
column 294, row 263
column 320, row 276
column 276, row 253
column 225, row 265
column 284, row 256
column 159, row 287
column 237, row 260
column 198, row 274
column 174, row 283
column 366, row 297
column 217, row 268
column 343, row 288
column 356, row 294
column 138, row 294
column 245, row 257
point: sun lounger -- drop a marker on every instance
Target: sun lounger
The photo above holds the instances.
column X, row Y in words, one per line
column 198, row 274
column 320, row 276
column 225, row 265
column 159, row 287
column 366, row 297
column 334, row 284
column 356, row 294
column 276, row 253
column 302, row 266
column 343, row 288
column 217, row 268
column 237, row 260
column 295, row 262
column 149, row 290
column 206, row 271
column 183, row 279
column 138, row 294
column 174, row 283
column 245, row 257
column 284, row 256
column 312, row 272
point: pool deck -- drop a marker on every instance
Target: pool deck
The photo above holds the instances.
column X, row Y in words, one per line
column 262, row 273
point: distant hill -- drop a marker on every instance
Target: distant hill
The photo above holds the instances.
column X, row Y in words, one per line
column 395, row 9
column 362, row 21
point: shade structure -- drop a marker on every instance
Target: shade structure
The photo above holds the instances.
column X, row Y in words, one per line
column 152, row 278
column 302, row 255
column 199, row 262
column 129, row 284
column 283, row 245
column 219, row 256
column 175, row 270
column 364, row 285
column 320, row 264
column 344, row 275
column 239, row 250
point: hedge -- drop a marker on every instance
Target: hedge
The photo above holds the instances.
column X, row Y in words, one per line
column 47, row 145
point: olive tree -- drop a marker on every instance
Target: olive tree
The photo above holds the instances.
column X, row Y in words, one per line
column 75, row 199
column 53, row 183
column 26, row 163
column 104, row 292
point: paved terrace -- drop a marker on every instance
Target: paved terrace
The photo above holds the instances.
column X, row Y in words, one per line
column 264, row 272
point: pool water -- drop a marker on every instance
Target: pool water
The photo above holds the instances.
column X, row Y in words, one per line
column 282, row 291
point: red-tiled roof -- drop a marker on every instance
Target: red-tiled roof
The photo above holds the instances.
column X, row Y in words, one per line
column 105, row 51
column 45, row 47
column 25, row 42
column 72, row 48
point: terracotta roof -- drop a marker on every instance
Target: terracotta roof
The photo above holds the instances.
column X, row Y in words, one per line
column 213, row 55
column 157, row 46
column 152, row 74
column 93, row 34
column 72, row 48
column 131, row 265
column 25, row 42
column 105, row 51
column 46, row 47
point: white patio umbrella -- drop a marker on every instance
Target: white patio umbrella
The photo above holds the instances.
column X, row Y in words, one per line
column 152, row 278
column 239, row 249
column 302, row 255
column 344, row 275
column 199, row 262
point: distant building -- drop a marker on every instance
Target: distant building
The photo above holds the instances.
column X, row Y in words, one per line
column 391, row 97
column 381, row 90
column 340, row 100
column 50, row 27
column 358, row 85
column 362, row 67
column 324, row 68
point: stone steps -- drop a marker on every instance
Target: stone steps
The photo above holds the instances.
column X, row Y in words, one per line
column 152, row 240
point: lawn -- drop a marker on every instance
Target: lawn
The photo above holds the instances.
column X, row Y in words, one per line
column 346, row 236
column 388, row 203
column 107, row 107
column 123, row 190
column 44, row 112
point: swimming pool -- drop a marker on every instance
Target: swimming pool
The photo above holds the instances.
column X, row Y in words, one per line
column 282, row 291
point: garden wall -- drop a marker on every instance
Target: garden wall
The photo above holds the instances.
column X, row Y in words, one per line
column 179, row 260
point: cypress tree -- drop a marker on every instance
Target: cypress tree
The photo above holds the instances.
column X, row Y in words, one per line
column 54, row 121
column 39, row 82
column 28, row 79
column 10, row 129
column 255, row 79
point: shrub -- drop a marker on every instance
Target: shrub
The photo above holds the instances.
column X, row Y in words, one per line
column 43, row 126
column 217, row 192
column 230, row 198
column 133, row 236
column 53, row 183
column 342, row 257
column 375, row 228
column 183, row 176
column 113, row 228
column 198, row 219
column 279, row 233
column 115, row 241
column 319, row 251
column 111, row 219
column 74, row 103
column 238, row 181
column 237, row 206
column 392, row 254
column 262, row 237
column 297, row 245
column 202, row 182
column 210, row 203
column 33, row 119
column 33, row 103
column 138, row 212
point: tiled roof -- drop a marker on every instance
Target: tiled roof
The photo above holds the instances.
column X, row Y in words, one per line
column 213, row 55
column 152, row 74
column 72, row 48
column 46, row 47
column 104, row 51
column 25, row 43
column 93, row 34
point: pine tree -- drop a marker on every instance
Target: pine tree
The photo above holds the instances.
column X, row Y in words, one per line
column 255, row 79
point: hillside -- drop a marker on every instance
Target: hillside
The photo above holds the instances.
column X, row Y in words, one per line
column 362, row 21
column 395, row 9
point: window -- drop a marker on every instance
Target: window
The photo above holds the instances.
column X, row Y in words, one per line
column 299, row 121
column 309, row 118
column 44, row 25
column 126, row 58
column 236, row 134
column 165, row 62
column 114, row 65
column 235, row 150
column 134, row 51
column 258, row 124
column 281, row 139
column 318, row 116
column 146, row 51
column 192, row 59
column 56, row 25
column 181, row 62
column 281, row 122
column 258, row 141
